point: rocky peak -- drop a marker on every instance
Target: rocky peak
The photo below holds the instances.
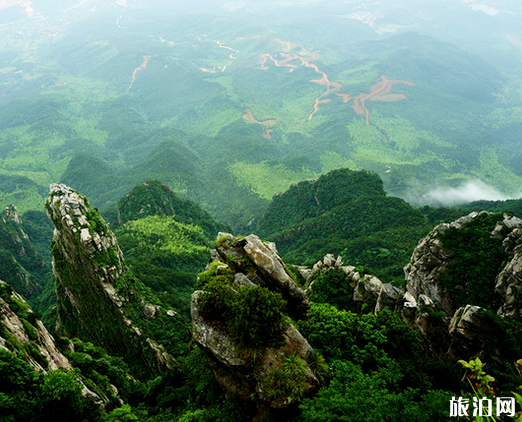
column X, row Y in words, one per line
column 431, row 259
column 78, row 226
column 443, row 283
column 259, row 260
column 11, row 214
column 239, row 320
column 96, row 298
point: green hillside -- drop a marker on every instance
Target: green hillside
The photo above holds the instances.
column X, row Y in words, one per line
column 246, row 110
column 347, row 213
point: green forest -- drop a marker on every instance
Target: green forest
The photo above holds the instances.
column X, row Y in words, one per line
column 278, row 211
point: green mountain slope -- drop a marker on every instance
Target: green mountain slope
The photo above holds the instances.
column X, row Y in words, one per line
column 248, row 109
column 166, row 240
column 347, row 213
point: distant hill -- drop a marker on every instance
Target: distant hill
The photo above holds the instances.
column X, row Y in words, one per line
column 166, row 240
column 347, row 212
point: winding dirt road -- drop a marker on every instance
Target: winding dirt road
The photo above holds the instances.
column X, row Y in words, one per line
column 141, row 67
column 380, row 91
column 267, row 134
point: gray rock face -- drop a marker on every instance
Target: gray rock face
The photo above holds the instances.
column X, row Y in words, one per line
column 508, row 284
column 11, row 323
column 93, row 291
column 253, row 263
column 388, row 297
column 428, row 264
column 448, row 331
column 367, row 290
column 250, row 255
column 238, row 375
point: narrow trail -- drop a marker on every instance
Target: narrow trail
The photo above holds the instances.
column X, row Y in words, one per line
column 267, row 134
column 379, row 91
column 141, row 67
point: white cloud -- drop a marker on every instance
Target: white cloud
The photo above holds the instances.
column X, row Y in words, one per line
column 467, row 192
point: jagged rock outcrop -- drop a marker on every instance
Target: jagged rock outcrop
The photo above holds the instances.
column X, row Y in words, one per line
column 367, row 288
column 22, row 333
column 251, row 265
column 440, row 306
column 508, row 284
column 243, row 253
column 428, row 264
column 96, row 299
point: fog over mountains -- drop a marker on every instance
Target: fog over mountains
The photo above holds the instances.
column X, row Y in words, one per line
column 260, row 95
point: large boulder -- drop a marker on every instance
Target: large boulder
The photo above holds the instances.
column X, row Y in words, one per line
column 260, row 261
column 253, row 371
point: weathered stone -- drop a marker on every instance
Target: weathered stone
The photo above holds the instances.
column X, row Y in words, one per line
column 508, row 284
column 253, row 263
column 339, row 262
column 93, row 288
column 388, row 297
column 429, row 305
column 329, row 260
column 215, row 342
column 508, row 224
column 241, row 377
column 241, row 280
column 11, row 323
column 367, row 290
column 250, row 255
column 304, row 272
column 428, row 264
column 149, row 311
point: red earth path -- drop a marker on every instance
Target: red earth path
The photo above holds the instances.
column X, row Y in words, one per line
column 141, row 67
column 380, row 91
column 267, row 134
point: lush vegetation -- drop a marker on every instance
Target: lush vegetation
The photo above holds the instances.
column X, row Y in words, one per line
column 77, row 107
column 264, row 120
column 254, row 316
column 476, row 259
column 347, row 213
column 166, row 240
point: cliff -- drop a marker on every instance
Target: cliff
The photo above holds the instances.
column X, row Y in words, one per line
column 462, row 288
column 97, row 300
column 23, row 334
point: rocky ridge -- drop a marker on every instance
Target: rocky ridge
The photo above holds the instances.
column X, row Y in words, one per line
column 22, row 333
column 96, row 299
column 450, row 327
column 367, row 288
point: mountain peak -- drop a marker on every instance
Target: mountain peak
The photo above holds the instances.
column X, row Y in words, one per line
column 97, row 300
